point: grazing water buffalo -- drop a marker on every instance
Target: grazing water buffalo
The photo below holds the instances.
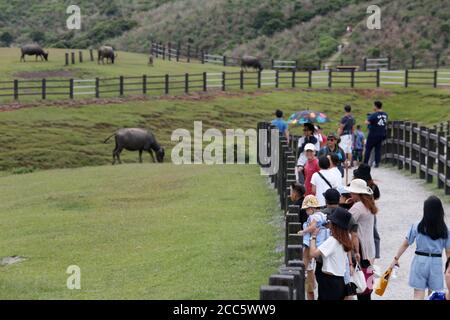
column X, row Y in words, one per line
column 135, row 139
column 252, row 62
column 106, row 52
column 33, row 50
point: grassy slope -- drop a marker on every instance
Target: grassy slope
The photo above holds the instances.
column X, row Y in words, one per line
column 56, row 137
column 127, row 64
column 138, row 232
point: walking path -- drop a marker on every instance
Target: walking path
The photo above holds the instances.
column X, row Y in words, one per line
column 401, row 204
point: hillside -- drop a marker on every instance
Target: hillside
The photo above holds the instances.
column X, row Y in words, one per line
column 295, row 29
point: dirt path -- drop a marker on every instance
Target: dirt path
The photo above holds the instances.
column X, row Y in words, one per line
column 395, row 217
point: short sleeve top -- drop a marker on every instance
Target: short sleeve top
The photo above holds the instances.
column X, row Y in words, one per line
column 424, row 243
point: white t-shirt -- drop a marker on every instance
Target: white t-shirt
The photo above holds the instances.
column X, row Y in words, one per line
column 334, row 257
column 322, row 186
column 338, row 175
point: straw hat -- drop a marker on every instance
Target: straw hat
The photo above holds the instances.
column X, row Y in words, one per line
column 359, row 186
column 310, row 201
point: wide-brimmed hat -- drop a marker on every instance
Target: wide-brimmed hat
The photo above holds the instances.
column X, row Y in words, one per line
column 310, row 201
column 362, row 172
column 342, row 190
column 340, row 217
column 359, row 186
column 310, row 146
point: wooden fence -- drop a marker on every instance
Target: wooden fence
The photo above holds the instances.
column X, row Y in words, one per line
column 190, row 54
column 235, row 80
column 289, row 282
column 421, row 150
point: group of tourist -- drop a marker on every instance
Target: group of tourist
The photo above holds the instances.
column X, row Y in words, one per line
column 339, row 225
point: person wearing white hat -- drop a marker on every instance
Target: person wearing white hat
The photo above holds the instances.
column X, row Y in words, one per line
column 311, row 166
column 363, row 211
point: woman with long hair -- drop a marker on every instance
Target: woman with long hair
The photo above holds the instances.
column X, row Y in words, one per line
column 363, row 211
column 330, row 278
column 432, row 236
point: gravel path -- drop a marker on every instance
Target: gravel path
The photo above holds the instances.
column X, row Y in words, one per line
column 400, row 205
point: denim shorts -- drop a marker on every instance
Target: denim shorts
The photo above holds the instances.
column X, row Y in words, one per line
column 427, row 273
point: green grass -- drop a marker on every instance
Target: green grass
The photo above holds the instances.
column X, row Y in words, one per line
column 139, row 232
column 127, row 64
column 62, row 137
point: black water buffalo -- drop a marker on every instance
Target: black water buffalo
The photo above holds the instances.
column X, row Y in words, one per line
column 135, row 139
column 33, row 50
column 252, row 62
column 106, row 52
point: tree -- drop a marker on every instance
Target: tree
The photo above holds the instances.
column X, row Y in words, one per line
column 6, row 38
column 37, row 36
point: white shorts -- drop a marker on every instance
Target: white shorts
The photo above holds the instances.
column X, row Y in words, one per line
column 346, row 143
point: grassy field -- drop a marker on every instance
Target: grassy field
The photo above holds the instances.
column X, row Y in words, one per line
column 127, row 64
column 71, row 136
column 139, row 232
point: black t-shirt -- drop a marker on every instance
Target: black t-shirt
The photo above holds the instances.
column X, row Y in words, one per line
column 348, row 122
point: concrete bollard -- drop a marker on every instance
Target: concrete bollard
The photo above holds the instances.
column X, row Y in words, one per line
column 299, row 280
column 294, row 252
column 274, row 293
column 284, row 280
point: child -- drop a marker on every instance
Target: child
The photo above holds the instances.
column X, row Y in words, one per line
column 316, row 219
column 359, row 141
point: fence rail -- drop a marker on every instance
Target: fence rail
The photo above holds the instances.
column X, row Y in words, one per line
column 289, row 282
column 235, row 80
column 421, row 150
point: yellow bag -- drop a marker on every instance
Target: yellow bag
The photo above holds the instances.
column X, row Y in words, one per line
column 383, row 282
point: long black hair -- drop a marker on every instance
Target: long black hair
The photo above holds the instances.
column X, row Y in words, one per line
column 433, row 224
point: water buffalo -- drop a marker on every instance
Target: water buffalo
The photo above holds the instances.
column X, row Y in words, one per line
column 150, row 60
column 106, row 52
column 135, row 139
column 252, row 62
column 33, row 50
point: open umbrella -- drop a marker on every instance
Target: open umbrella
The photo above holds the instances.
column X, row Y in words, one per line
column 305, row 116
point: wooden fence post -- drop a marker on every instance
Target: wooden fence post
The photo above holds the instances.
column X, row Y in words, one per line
column 365, row 64
column 259, row 79
column 400, row 145
column 91, row 54
column 186, row 83
column 164, row 52
column 203, row 57
column 271, row 63
column 80, row 56
column 67, row 58
column 320, row 65
column 44, row 89
column 407, row 140
column 205, row 81
column 241, row 80
column 413, row 62
column 73, row 57
column 414, row 152
column 293, row 78
column 169, row 51
column 223, row 80
column 422, row 153
column 309, row 78
column 97, row 88
column 438, row 58
column 121, row 85
column 394, row 143
column 166, row 84
column 71, row 88
column 406, row 78
column 277, row 79
column 378, row 77
column 431, row 148
column 330, row 78
column 224, row 61
column 144, row 84
column 389, row 63
column 435, row 78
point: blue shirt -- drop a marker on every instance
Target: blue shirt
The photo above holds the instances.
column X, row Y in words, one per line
column 424, row 243
column 348, row 123
column 378, row 123
column 280, row 124
column 359, row 140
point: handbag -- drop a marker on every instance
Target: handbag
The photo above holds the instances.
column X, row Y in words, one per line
column 368, row 275
column 359, row 279
column 383, row 282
